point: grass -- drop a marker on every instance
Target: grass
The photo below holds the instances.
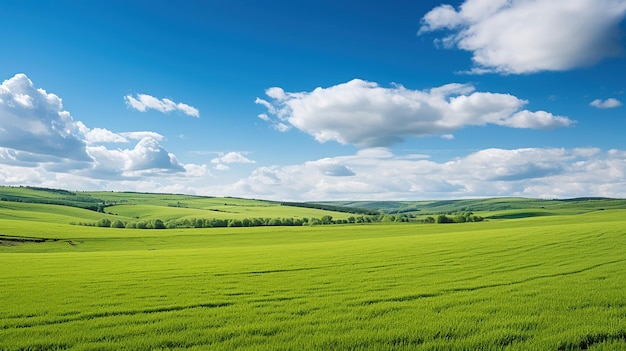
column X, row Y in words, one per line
column 534, row 283
column 44, row 205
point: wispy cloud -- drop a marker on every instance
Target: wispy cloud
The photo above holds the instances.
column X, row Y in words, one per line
column 365, row 114
column 143, row 102
column 222, row 162
column 608, row 103
column 516, row 37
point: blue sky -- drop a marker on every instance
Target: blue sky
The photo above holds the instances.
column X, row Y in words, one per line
column 324, row 100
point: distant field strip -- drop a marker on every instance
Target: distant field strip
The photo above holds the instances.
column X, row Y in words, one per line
column 541, row 283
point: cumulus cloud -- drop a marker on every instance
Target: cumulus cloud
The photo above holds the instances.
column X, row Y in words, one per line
column 101, row 135
column 43, row 140
column 608, row 103
column 379, row 175
column 365, row 114
column 143, row 102
column 34, row 122
column 514, row 37
column 221, row 162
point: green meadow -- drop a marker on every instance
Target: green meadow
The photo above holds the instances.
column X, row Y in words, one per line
column 527, row 278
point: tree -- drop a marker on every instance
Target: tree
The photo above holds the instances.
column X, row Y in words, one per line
column 158, row 224
column 327, row 219
column 444, row 219
column 275, row 221
column 104, row 222
column 235, row 223
column 117, row 224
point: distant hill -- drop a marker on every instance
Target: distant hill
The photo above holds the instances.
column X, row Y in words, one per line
column 134, row 206
column 484, row 205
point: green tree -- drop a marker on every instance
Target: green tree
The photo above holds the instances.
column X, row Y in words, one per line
column 117, row 224
column 104, row 222
column 235, row 223
column 444, row 219
column 327, row 219
column 158, row 224
column 275, row 221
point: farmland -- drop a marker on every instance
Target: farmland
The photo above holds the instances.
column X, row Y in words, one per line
column 527, row 278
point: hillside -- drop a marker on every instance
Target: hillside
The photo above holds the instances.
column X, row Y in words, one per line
column 132, row 209
column 493, row 207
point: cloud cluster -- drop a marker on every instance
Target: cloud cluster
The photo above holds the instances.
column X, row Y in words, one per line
column 377, row 174
column 365, row 114
column 36, row 132
column 514, row 37
column 143, row 102
column 608, row 103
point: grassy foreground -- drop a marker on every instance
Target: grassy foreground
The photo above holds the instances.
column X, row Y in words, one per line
column 542, row 283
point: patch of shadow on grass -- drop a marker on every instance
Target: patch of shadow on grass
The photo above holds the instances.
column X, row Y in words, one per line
column 509, row 339
column 495, row 285
column 412, row 297
column 404, row 298
column 90, row 316
column 274, row 299
column 269, row 271
column 590, row 340
column 517, row 215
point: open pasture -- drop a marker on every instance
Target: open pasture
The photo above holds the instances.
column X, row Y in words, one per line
column 542, row 283
column 65, row 207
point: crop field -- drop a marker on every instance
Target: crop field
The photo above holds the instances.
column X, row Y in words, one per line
column 547, row 282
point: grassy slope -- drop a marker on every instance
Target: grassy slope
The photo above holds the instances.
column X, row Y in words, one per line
column 535, row 283
column 142, row 206
column 489, row 205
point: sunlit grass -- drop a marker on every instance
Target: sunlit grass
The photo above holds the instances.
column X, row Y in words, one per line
column 542, row 283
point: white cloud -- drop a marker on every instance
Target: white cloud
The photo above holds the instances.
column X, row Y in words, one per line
column 378, row 175
column 101, row 135
column 608, row 103
column 365, row 114
column 142, row 135
column 34, row 122
column 530, row 36
column 147, row 157
column 143, row 102
column 44, row 142
column 221, row 162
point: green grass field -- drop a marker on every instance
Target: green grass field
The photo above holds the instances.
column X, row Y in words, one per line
column 552, row 282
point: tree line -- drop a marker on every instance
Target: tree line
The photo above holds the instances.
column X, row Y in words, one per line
column 285, row 221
